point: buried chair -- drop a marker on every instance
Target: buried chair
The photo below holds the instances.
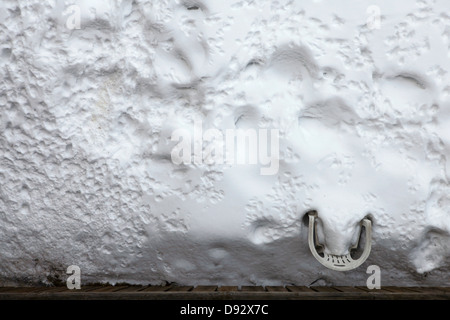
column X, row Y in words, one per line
column 338, row 262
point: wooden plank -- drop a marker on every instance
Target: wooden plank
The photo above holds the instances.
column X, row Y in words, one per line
column 19, row 289
column 180, row 289
column 156, row 289
column 52, row 289
column 227, row 288
column 276, row 289
column 399, row 289
column 299, row 289
column 204, row 289
column 109, row 289
column 324, row 289
column 228, row 293
column 430, row 289
column 391, row 292
column 131, row 289
column 381, row 290
column 252, row 289
column 443, row 289
column 40, row 289
column 89, row 288
column 427, row 290
column 10, row 289
column 421, row 289
column 350, row 289
column 224, row 292
column 363, row 288
column 390, row 289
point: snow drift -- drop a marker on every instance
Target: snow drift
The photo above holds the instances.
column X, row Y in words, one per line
column 91, row 92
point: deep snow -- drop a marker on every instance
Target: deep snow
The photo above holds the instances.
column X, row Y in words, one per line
column 361, row 102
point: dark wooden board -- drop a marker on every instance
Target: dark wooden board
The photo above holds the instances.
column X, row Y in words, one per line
column 204, row 289
column 299, row 289
column 156, row 289
column 350, row 289
column 325, row 289
column 131, row 289
column 227, row 288
column 180, row 289
column 276, row 289
column 89, row 288
column 52, row 290
column 109, row 289
column 124, row 292
column 252, row 289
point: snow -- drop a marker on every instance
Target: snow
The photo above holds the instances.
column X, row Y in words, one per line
column 89, row 104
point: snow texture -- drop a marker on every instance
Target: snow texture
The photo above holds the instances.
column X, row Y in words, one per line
column 360, row 94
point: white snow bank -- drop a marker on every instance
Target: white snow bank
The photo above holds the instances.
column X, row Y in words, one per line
column 91, row 92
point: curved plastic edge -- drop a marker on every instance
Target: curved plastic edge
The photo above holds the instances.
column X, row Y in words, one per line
column 351, row 264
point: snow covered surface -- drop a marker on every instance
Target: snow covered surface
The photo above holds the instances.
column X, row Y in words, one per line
column 88, row 107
